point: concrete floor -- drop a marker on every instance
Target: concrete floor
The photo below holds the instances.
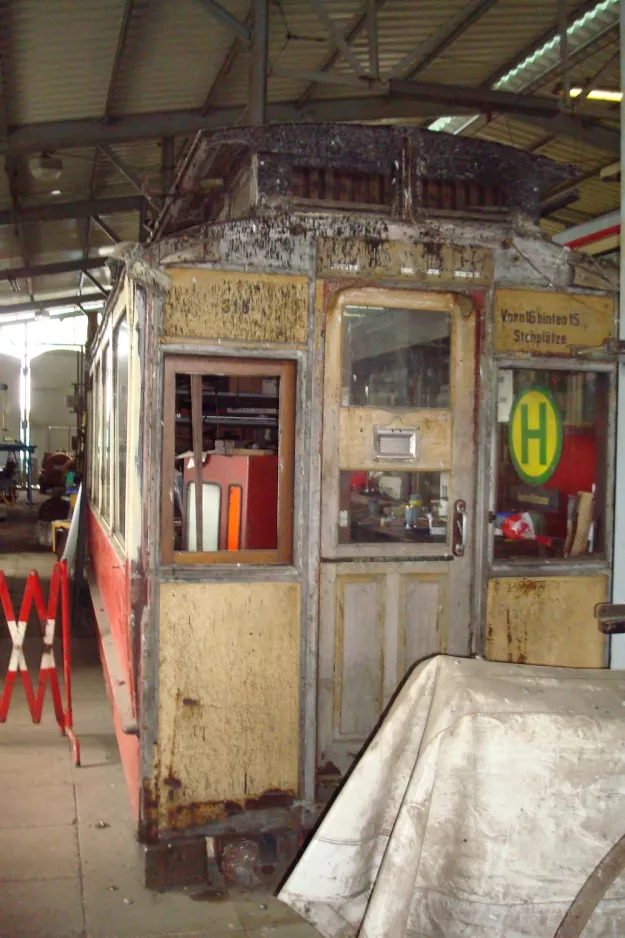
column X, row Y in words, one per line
column 69, row 864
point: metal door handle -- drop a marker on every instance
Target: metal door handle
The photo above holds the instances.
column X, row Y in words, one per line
column 460, row 532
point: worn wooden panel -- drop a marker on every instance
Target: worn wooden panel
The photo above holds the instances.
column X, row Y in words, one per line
column 542, row 323
column 432, row 261
column 356, row 443
column 359, row 661
column 424, row 622
column 545, row 620
column 228, row 711
column 237, row 306
column 591, row 276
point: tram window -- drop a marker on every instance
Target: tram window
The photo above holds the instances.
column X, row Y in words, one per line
column 96, row 445
column 105, row 480
column 383, row 507
column 552, row 429
column 395, row 357
column 228, row 461
column 120, row 410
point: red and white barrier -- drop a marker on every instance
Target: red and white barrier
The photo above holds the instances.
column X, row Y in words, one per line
column 48, row 674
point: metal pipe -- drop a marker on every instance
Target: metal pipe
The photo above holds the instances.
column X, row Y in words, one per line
column 258, row 72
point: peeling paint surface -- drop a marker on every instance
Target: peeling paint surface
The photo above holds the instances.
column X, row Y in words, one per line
column 432, row 260
column 236, row 306
column 228, row 698
column 545, row 620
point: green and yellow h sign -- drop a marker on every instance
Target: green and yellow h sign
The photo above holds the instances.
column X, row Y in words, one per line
column 535, row 435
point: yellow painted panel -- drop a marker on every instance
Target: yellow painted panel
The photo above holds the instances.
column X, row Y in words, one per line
column 541, row 323
column 356, row 444
column 439, row 263
column 228, row 701
column 545, row 620
column 216, row 304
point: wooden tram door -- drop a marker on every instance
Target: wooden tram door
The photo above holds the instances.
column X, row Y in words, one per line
column 397, row 501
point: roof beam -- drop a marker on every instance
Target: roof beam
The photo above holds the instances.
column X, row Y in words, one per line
column 225, row 67
column 372, row 36
column 59, row 135
column 533, row 109
column 480, row 99
column 129, row 173
column 95, row 282
column 107, row 228
column 337, row 37
column 46, row 270
column 63, row 210
column 417, row 61
column 221, row 14
column 350, row 35
column 57, row 303
column 257, row 89
column 119, row 51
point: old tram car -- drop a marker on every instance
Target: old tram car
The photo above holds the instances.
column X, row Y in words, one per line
column 354, row 411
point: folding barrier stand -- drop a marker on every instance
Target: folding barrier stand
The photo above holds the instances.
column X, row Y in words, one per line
column 48, row 673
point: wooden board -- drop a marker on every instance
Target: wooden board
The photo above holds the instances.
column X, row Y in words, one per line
column 228, row 701
column 540, row 323
column 427, row 261
column 237, row 306
column 376, row 621
column 356, row 444
column 545, row 620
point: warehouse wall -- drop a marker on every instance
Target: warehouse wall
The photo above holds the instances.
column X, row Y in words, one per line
column 10, row 374
column 51, row 377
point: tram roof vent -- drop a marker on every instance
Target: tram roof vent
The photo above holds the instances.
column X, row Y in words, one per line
column 349, row 167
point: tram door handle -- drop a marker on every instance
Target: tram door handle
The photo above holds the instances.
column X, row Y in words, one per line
column 460, row 529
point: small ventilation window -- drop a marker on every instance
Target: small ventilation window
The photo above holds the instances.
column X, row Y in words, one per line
column 459, row 195
column 340, row 186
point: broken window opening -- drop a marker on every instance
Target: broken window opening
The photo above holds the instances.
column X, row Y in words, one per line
column 228, row 461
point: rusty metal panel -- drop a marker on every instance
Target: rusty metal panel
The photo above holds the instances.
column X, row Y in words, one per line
column 545, row 620
column 228, row 712
column 537, row 322
column 212, row 304
column 433, row 261
column 356, row 437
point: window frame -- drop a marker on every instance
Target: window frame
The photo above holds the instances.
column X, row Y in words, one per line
column 522, row 565
column 116, row 525
column 286, row 371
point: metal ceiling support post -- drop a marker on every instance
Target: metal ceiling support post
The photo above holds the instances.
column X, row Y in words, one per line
column 617, row 642
column 168, row 164
column 258, row 71
column 564, row 53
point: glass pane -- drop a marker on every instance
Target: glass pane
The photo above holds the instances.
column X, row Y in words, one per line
column 106, row 433
column 551, row 457
column 240, row 432
column 120, row 406
column 211, row 504
column 395, row 357
column 386, row 507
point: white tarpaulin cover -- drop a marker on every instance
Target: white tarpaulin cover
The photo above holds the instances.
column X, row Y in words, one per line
column 487, row 796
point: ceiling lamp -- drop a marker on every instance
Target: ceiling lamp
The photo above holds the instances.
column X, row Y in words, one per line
column 46, row 167
column 599, row 94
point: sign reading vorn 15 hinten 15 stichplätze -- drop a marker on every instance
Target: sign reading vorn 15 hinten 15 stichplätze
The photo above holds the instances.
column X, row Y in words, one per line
column 542, row 323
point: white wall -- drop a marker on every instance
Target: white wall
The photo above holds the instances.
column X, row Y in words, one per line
column 51, row 377
column 10, row 374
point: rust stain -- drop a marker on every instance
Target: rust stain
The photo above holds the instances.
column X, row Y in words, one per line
column 183, row 816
